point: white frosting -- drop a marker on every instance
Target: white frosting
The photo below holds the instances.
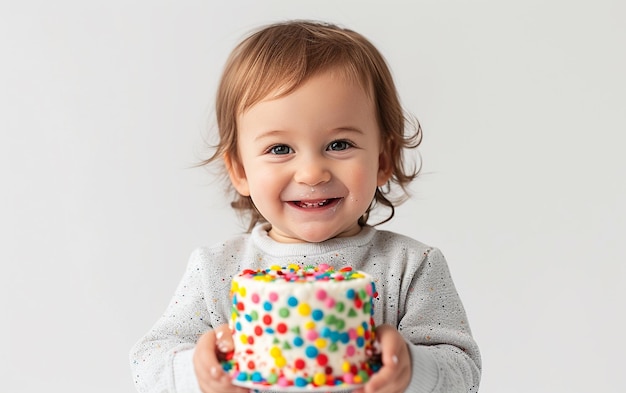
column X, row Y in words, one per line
column 316, row 329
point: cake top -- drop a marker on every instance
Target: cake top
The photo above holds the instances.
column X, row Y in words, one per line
column 297, row 274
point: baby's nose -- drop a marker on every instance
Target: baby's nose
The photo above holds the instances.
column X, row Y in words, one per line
column 312, row 172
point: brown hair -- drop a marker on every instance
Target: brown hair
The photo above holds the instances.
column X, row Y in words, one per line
column 282, row 56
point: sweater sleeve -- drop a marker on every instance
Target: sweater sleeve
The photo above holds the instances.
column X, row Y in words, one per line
column 161, row 361
column 444, row 356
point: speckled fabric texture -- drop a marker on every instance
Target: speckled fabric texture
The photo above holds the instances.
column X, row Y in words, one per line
column 416, row 295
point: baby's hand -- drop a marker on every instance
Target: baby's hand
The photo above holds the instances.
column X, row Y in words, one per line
column 395, row 374
column 212, row 347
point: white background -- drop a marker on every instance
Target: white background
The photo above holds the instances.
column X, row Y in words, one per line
column 106, row 105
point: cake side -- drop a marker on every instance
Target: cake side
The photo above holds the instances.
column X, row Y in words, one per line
column 302, row 326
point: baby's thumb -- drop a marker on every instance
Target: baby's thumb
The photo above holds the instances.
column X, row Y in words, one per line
column 224, row 339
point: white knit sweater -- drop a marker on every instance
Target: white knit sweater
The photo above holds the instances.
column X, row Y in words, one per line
column 416, row 295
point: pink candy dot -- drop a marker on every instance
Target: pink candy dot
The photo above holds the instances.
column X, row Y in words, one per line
column 330, row 302
column 348, row 378
column 352, row 334
column 320, row 294
column 273, row 296
column 350, row 350
column 369, row 290
column 282, row 381
column 311, row 335
column 322, row 267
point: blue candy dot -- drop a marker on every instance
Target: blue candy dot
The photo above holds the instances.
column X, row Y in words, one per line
column 317, row 315
column 267, row 306
column 350, row 293
column 292, row 301
column 300, row 382
column 360, row 341
column 311, row 352
column 238, row 326
column 345, row 338
column 298, row 341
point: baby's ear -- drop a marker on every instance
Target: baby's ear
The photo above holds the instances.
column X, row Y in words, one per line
column 385, row 168
column 237, row 174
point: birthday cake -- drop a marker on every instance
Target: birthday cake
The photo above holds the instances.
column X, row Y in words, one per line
column 302, row 327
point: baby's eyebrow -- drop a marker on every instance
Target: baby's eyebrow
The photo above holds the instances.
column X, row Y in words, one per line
column 349, row 129
column 269, row 134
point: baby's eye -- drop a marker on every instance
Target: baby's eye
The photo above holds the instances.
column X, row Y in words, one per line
column 340, row 145
column 280, row 149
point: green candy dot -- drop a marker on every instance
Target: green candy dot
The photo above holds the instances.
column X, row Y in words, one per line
column 340, row 324
column 254, row 315
column 330, row 320
column 362, row 294
column 333, row 347
column 352, row 313
column 272, row 378
column 283, row 312
column 367, row 308
column 340, row 306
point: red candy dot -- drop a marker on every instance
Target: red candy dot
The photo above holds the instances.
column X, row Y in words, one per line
column 240, row 306
column 258, row 330
column 250, row 340
column 251, row 365
column 322, row 359
column 267, row 319
column 299, row 364
column 281, row 328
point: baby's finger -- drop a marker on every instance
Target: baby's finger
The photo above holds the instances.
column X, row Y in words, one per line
column 211, row 377
column 382, row 381
column 224, row 339
column 389, row 344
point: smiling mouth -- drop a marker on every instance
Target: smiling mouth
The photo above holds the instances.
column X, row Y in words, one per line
column 315, row 204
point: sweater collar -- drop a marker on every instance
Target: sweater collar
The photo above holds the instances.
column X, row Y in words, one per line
column 269, row 246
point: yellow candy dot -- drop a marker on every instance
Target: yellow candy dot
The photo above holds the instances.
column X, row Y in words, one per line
column 345, row 367
column 358, row 379
column 357, row 275
column 244, row 339
column 320, row 343
column 319, row 379
column 304, row 309
column 309, row 325
column 235, row 287
column 242, row 291
column 275, row 352
column 360, row 331
column 280, row 361
column 275, row 267
column 293, row 267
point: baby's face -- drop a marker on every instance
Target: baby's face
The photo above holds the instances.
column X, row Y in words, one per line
column 311, row 160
